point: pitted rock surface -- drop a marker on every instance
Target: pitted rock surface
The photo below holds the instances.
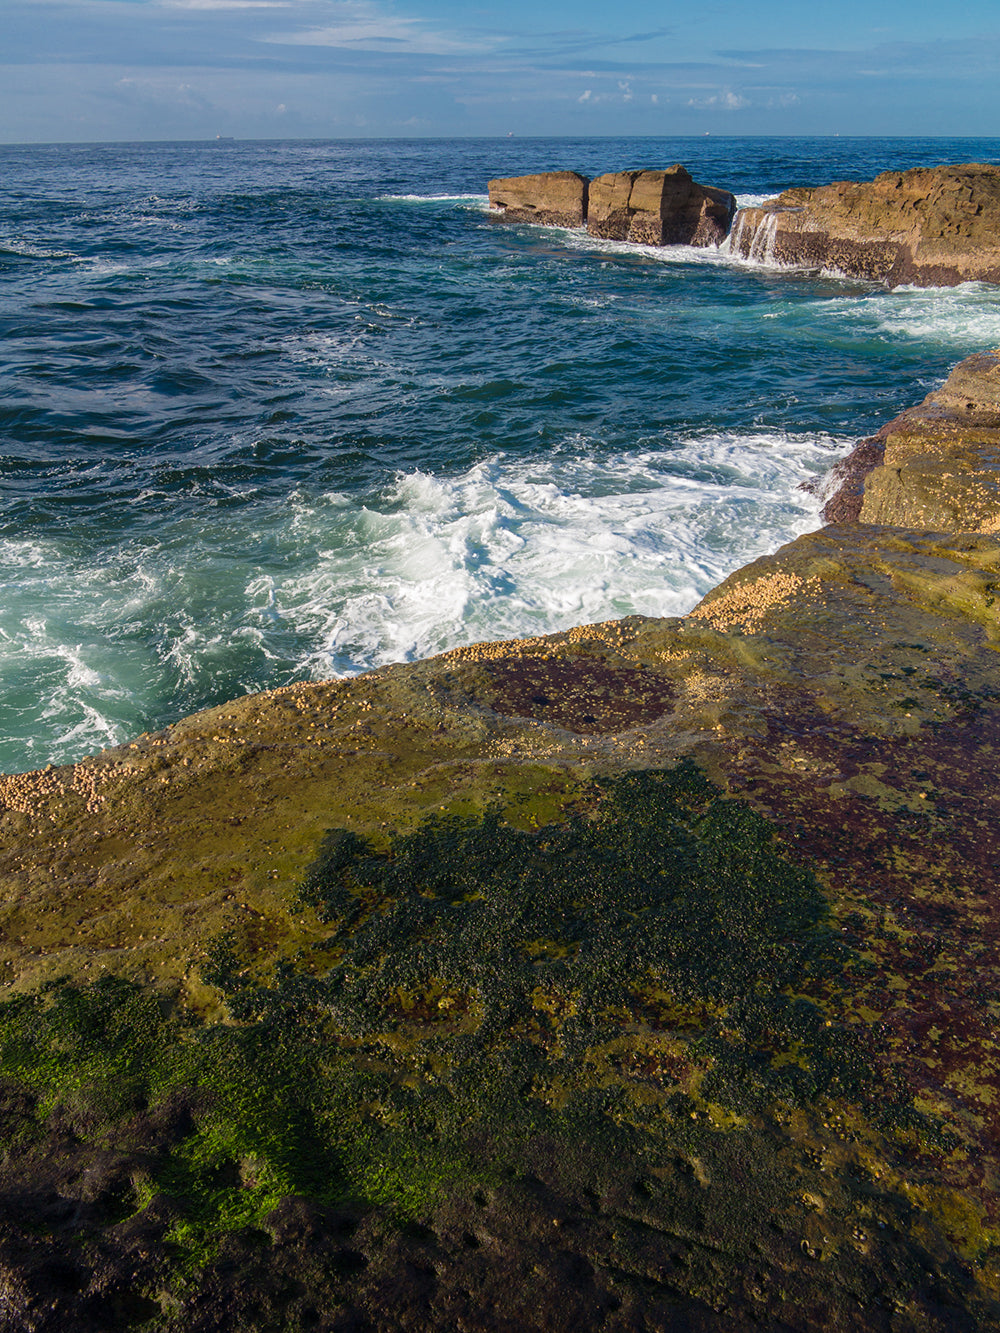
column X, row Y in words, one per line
column 935, row 226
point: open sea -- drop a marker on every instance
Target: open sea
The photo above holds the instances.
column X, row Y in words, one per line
column 274, row 411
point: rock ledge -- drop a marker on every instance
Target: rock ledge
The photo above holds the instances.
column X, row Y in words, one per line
column 935, row 226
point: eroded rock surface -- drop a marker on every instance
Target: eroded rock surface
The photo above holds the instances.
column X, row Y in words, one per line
column 937, row 465
column 934, row 226
column 548, row 199
column 644, row 976
column 658, row 208
column 645, row 207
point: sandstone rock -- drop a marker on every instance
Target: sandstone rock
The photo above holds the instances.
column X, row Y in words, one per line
column 645, row 207
column 937, row 465
column 549, row 199
column 934, row 226
column 658, row 208
column 719, row 1054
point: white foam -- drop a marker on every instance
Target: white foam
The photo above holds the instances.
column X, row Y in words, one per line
column 19, row 245
column 317, row 584
column 963, row 317
column 755, row 200
column 509, row 548
column 433, row 198
column 578, row 238
column 956, row 319
column 93, row 732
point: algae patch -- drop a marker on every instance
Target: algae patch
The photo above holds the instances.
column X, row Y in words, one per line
column 657, row 907
column 648, row 989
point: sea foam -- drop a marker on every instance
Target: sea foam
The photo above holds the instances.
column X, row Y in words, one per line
column 321, row 585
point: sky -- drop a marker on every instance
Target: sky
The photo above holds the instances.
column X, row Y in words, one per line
column 93, row 70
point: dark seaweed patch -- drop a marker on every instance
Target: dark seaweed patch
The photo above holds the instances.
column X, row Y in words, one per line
column 585, row 696
column 661, row 902
column 601, row 990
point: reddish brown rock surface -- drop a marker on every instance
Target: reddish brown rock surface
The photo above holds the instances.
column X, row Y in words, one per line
column 935, row 226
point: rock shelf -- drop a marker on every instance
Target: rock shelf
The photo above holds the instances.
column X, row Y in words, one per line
column 641, row 976
column 645, row 207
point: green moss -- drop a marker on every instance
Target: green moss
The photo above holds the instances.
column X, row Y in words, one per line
column 653, row 957
column 90, row 1043
column 656, row 897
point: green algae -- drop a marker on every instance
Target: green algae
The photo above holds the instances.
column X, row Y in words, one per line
column 650, row 984
column 90, row 1043
column 656, row 951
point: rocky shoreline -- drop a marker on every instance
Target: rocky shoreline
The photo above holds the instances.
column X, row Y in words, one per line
column 930, row 227
column 644, row 976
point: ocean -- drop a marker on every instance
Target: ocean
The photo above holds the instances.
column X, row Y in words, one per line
column 274, row 411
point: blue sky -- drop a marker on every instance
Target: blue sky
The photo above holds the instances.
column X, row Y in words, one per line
column 190, row 69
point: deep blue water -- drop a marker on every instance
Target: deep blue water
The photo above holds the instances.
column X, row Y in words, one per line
column 281, row 410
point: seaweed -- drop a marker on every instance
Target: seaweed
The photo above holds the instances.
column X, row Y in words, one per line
column 635, row 983
column 659, row 900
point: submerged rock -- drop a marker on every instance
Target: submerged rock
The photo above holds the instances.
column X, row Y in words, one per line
column 641, row 976
column 935, row 226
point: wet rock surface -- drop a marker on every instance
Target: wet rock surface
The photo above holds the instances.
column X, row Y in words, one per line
column 932, row 227
column 645, row 207
column 644, row 976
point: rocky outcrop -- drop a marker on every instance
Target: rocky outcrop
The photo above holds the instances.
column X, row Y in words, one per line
column 549, row 199
column 930, row 226
column 936, row 465
column 641, row 976
column 646, row 207
column 658, row 208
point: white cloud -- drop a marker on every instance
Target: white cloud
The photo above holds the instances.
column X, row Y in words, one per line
column 226, row 4
column 723, row 100
column 362, row 27
column 585, row 97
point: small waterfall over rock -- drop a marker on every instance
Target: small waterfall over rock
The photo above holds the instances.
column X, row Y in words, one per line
column 754, row 234
column 762, row 245
column 733, row 241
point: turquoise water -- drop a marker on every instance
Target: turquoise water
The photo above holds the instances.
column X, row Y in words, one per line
column 286, row 410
